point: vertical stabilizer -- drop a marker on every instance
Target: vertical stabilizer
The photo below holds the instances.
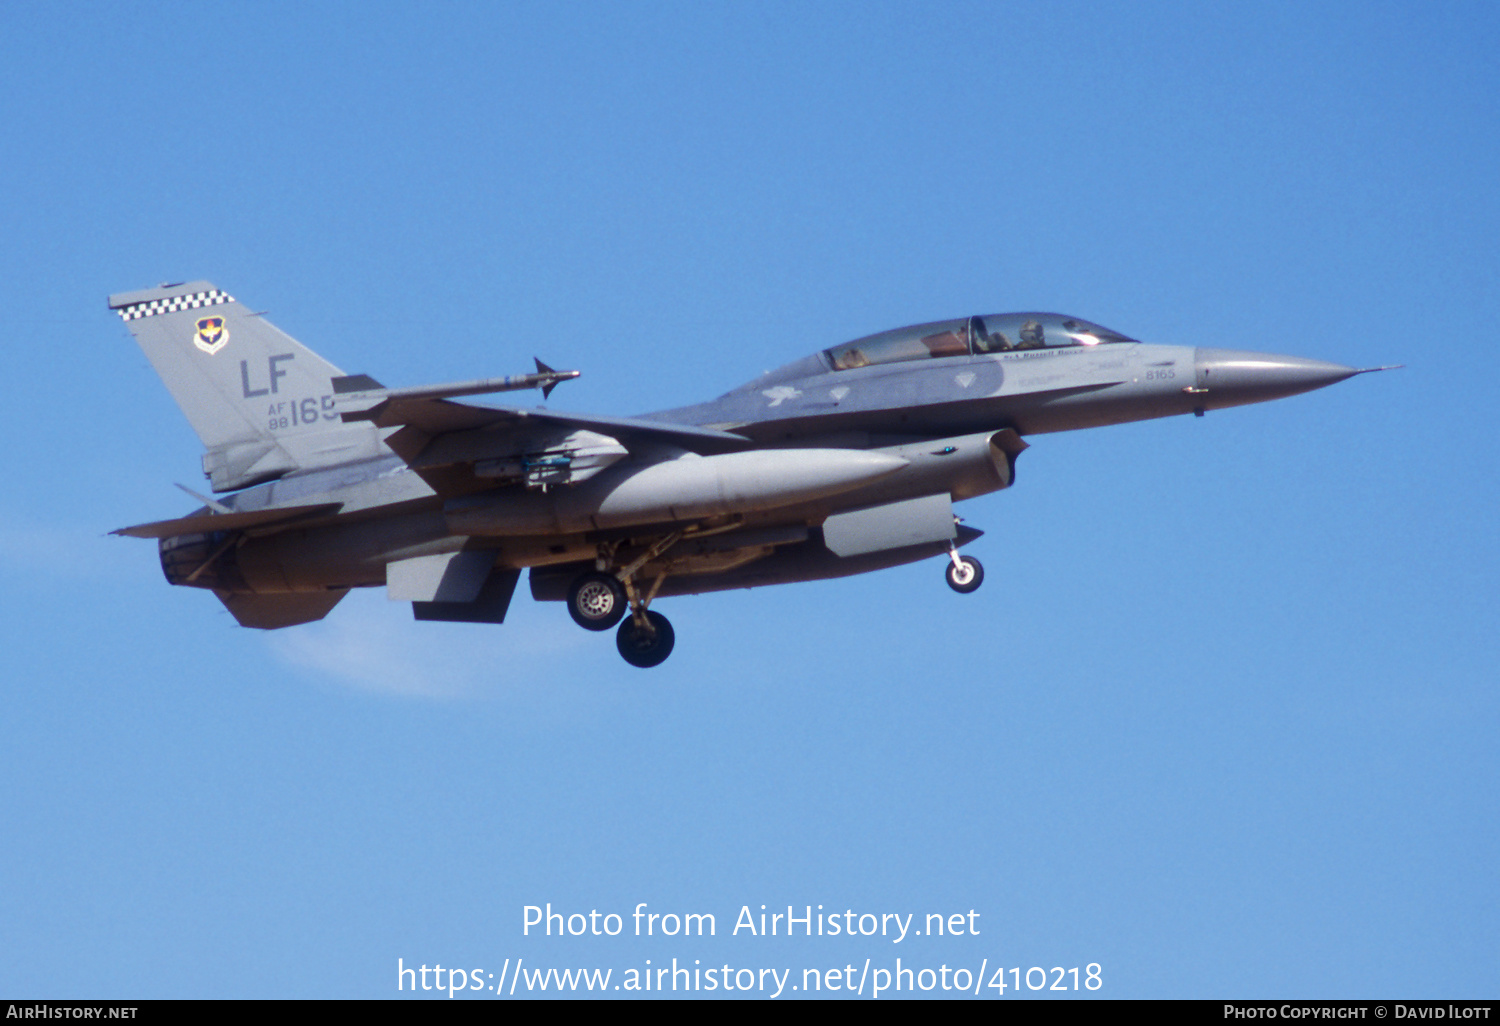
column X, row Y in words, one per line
column 261, row 402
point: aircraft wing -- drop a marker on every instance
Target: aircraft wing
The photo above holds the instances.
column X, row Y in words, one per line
column 207, row 521
column 435, row 417
column 447, row 442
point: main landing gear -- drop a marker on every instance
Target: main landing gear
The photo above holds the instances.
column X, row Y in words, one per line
column 645, row 645
column 599, row 599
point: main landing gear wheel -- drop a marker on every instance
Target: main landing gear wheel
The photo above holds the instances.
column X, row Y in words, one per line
column 597, row 601
column 965, row 574
column 646, row 646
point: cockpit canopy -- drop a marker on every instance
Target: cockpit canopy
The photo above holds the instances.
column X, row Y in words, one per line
column 992, row 333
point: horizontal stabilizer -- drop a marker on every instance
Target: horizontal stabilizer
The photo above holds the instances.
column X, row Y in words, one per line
column 206, row 523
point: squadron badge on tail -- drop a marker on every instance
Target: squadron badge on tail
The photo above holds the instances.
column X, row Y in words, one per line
column 212, row 335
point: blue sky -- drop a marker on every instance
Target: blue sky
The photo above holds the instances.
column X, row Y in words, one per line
column 1221, row 719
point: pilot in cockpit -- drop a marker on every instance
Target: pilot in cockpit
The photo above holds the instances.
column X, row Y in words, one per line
column 1032, row 336
column 850, row 358
column 985, row 341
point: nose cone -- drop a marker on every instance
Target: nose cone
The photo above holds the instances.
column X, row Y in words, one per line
column 1232, row 378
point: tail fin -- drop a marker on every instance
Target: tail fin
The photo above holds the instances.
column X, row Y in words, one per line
column 261, row 402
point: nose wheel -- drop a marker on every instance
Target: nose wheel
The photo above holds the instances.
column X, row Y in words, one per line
column 965, row 573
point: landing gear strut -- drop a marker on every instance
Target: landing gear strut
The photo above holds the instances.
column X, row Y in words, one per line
column 599, row 599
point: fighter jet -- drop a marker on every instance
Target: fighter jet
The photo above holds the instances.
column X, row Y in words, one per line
column 842, row 462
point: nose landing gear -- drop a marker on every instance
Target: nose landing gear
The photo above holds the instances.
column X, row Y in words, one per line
column 965, row 573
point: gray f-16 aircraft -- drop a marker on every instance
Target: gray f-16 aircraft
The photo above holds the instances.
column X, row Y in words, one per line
column 845, row 461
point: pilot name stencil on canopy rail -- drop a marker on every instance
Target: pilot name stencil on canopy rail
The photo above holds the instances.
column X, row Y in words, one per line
column 843, row 462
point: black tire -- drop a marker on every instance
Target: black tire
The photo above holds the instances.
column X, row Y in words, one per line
column 596, row 601
column 646, row 648
column 969, row 578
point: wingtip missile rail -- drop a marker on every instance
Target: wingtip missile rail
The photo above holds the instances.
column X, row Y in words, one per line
column 356, row 389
